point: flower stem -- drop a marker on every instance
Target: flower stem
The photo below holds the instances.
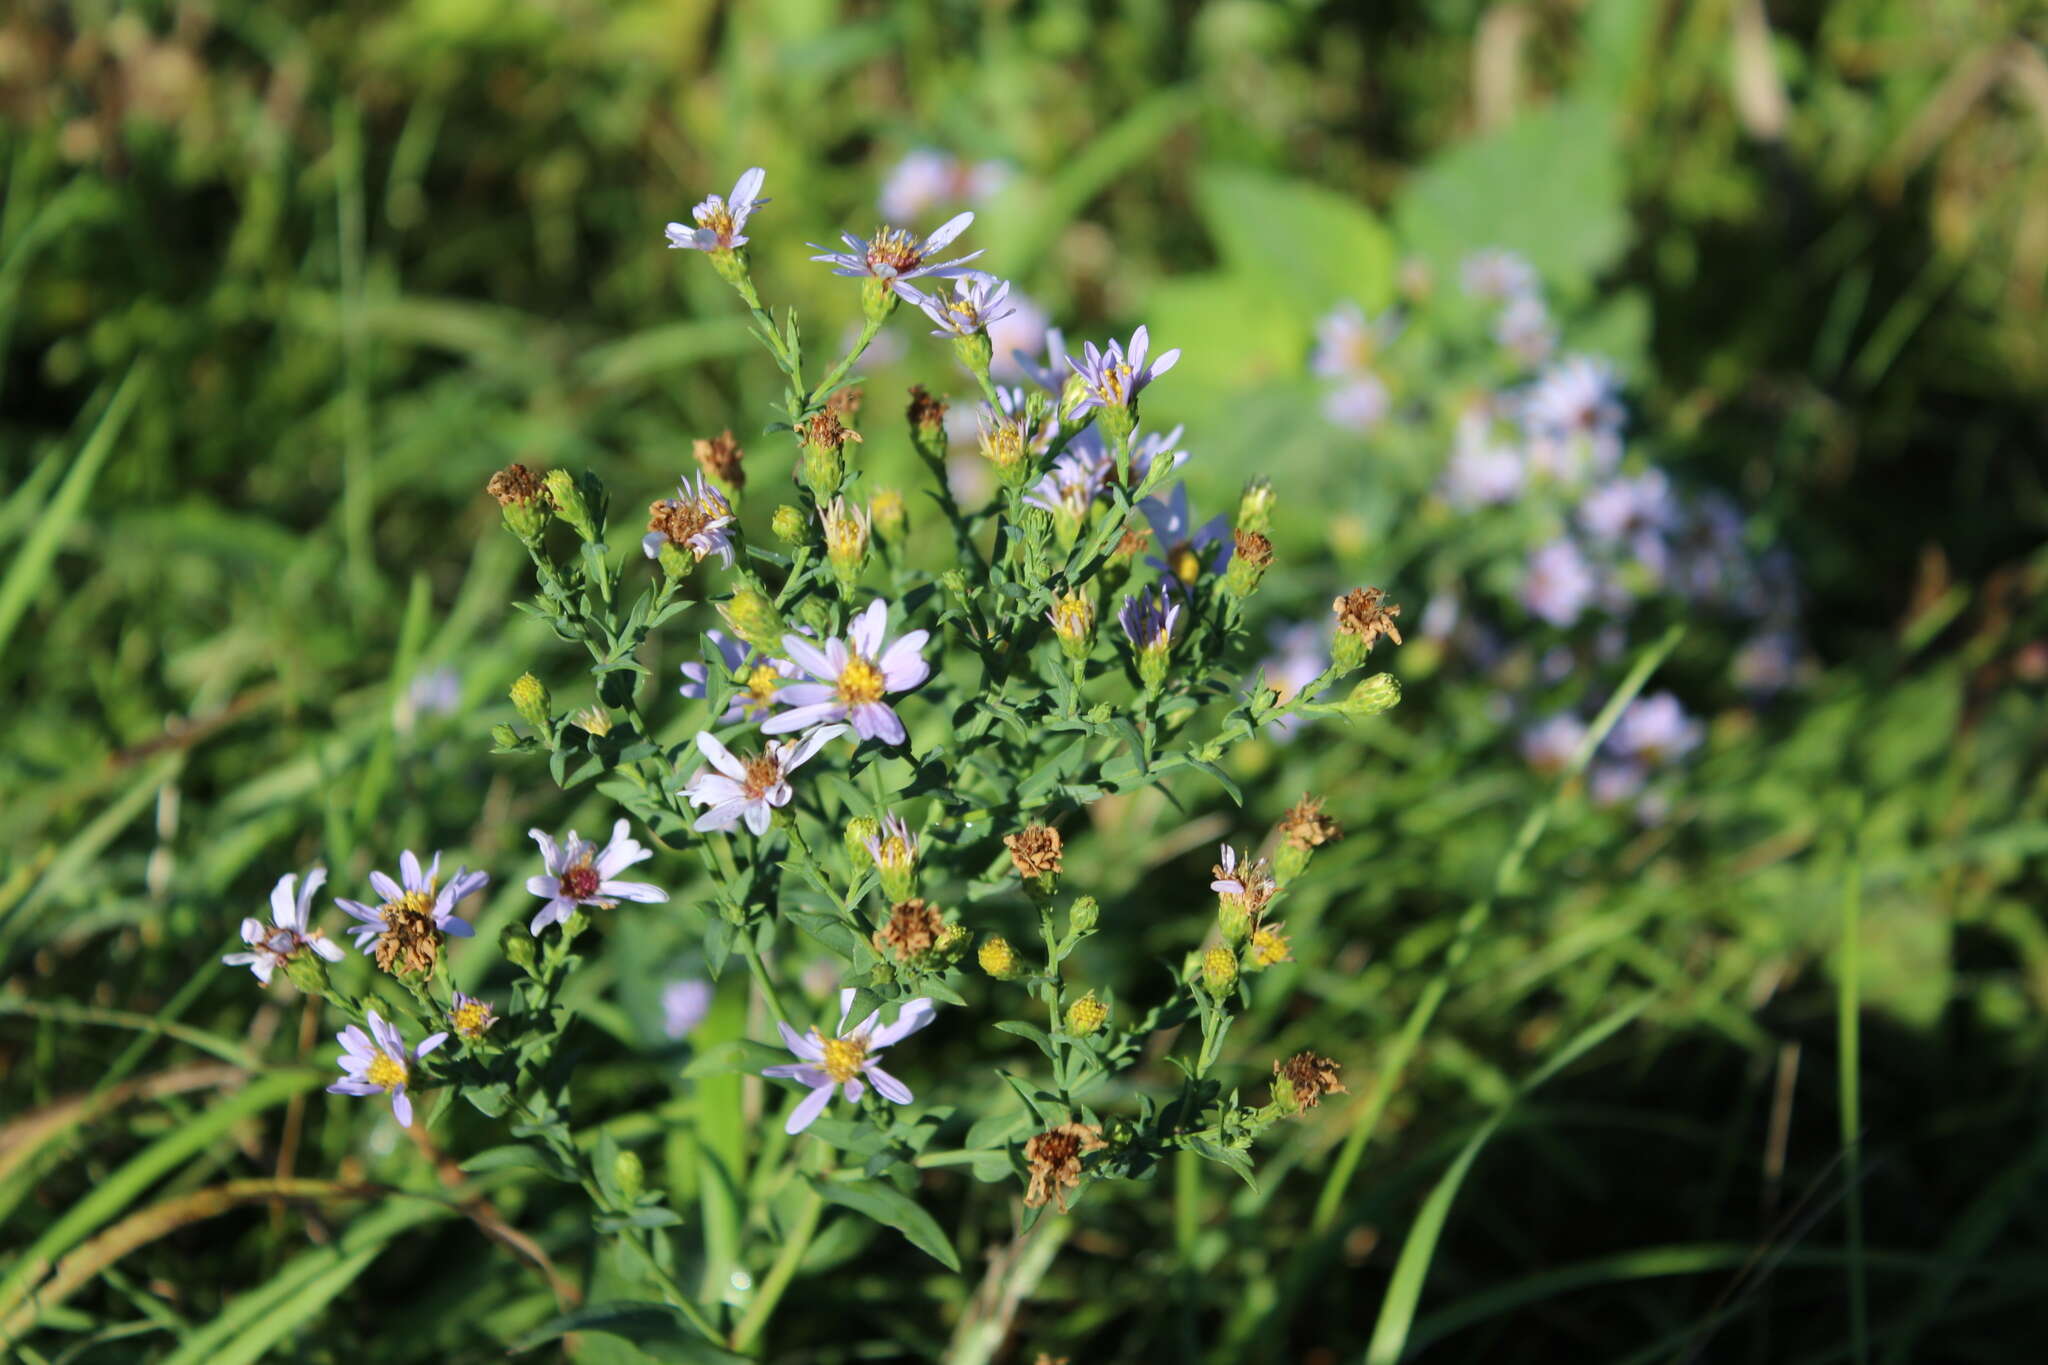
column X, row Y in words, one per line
column 780, row 1274
column 761, row 977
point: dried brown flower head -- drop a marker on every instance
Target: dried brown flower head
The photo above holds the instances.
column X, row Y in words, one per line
column 825, row 430
column 411, row 940
column 515, row 484
column 1302, row 1080
column 721, row 458
column 1055, row 1160
column 679, row 519
column 1035, row 850
column 914, row 927
column 1253, row 548
column 1305, row 825
column 1366, row 613
column 927, row 414
column 1132, row 543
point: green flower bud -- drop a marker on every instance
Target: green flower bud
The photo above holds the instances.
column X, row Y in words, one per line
column 753, row 617
column 530, row 699
column 974, row 351
column 1081, row 916
column 305, row 970
column 515, row 945
column 730, row 263
column 505, row 737
column 629, row 1174
column 1248, row 565
column 859, row 830
column 890, row 514
column 1380, row 692
column 1255, row 508
column 567, row 496
column 788, row 525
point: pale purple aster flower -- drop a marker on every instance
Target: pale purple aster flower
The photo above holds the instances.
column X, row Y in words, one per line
column 684, row 1004
column 1524, row 329
column 1497, row 275
column 1768, row 663
column 977, row 302
column 736, row 789
column 846, row 1063
column 719, row 220
column 432, row 692
column 1620, row 509
column 1052, row 376
column 1018, row 332
column 926, row 179
column 1360, row 403
column 1559, row 584
column 1655, row 730
column 1347, row 342
column 1610, row 784
column 1574, row 402
column 1116, row 376
column 895, row 257
column 699, row 519
column 418, row 894
column 853, row 676
column 1549, row 744
column 1154, row 445
column 1148, row 620
column 379, row 1063
column 758, row 676
column 1071, row 486
column 289, row 931
column 1301, row 653
column 1186, row 550
column 580, row 873
column 1483, row 474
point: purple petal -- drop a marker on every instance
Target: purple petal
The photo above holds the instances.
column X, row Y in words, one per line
column 802, row 1044
column 867, row 628
column 401, row 1107
column 946, row 232
column 914, row 1016
column 807, row 1112
column 643, row 892
column 802, row 718
column 549, row 854
column 891, row 1089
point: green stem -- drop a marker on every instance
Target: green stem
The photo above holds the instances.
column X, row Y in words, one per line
column 838, row 372
column 779, row 1274
column 761, row 978
column 1849, row 1032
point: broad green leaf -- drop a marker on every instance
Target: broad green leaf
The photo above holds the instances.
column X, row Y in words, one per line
column 893, row 1209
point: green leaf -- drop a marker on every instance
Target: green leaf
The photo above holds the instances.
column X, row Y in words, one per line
column 893, row 1209
column 654, row 1327
column 517, row 1154
column 1309, row 243
column 1024, row 1030
column 740, row 1056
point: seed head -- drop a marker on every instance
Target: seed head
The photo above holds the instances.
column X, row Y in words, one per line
column 515, row 486
column 913, row 929
column 721, row 459
column 1054, row 1157
column 1363, row 616
column 1305, row 825
column 1301, row 1081
column 411, row 940
column 1034, row 851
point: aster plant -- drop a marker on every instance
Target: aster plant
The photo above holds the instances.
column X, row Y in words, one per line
column 880, row 749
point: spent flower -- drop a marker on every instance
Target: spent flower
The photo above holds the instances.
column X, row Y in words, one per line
column 415, row 916
column 289, row 932
column 751, row 789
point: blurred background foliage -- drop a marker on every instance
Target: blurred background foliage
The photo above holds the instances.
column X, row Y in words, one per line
column 281, row 284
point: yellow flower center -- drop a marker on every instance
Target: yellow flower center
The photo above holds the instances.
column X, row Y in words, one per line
column 1072, row 616
column 843, row 1057
column 860, row 682
column 1187, row 565
column 385, row 1071
column 717, row 218
column 472, row 1018
column 1114, row 380
column 892, row 252
column 1269, row 948
column 411, row 903
column 761, row 684
column 895, row 853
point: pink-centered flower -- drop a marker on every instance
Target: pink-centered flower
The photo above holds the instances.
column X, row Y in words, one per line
column 581, row 873
column 847, row 1062
column 289, row 931
column 852, row 678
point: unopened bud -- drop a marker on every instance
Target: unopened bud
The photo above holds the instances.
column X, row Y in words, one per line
column 530, row 699
column 788, row 525
column 1081, row 916
column 889, row 513
column 1380, row 692
column 753, row 618
column 629, row 1174
column 846, row 543
column 861, row 830
column 1255, row 508
column 515, row 945
column 676, row 562
column 570, row 505
column 505, row 737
